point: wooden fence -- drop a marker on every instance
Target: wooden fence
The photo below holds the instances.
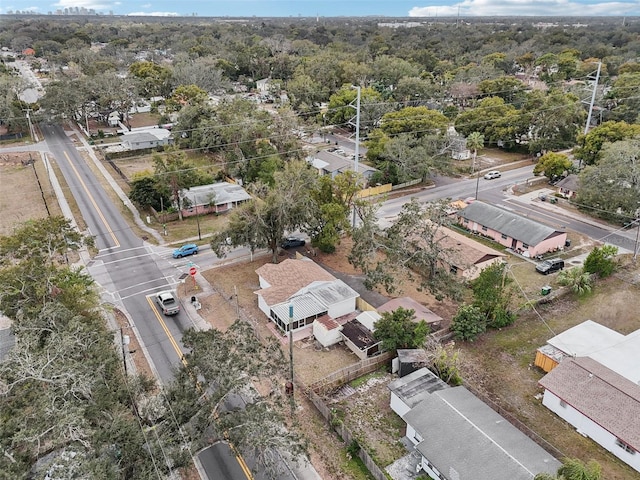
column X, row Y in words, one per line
column 372, row 191
column 339, row 378
column 410, row 183
column 364, row 306
column 345, row 375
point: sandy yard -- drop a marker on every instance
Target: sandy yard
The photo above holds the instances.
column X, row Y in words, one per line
column 24, row 199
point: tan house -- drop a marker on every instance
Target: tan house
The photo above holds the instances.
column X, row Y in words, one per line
column 464, row 256
column 420, row 311
column 568, row 187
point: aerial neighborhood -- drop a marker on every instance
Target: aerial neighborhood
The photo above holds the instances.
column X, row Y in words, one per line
column 319, row 247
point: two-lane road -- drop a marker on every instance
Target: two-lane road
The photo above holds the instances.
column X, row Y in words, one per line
column 493, row 191
column 129, row 272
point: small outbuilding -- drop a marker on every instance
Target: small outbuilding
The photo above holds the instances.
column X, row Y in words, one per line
column 326, row 331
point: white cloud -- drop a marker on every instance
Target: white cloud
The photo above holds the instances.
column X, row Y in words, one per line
column 153, row 14
column 514, row 8
column 88, row 4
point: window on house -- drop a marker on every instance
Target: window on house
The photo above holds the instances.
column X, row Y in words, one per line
column 417, row 437
column 453, row 270
column 504, row 237
column 563, row 404
column 625, row 446
column 484, row 229
column 524, row 245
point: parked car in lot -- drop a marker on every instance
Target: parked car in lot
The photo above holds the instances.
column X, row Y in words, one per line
column 492, row 174
column 167, row 302
column 185, row 250
column 292, row 242
column 550, row 266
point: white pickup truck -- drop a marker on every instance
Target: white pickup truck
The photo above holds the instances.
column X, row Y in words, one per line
column 167, row 302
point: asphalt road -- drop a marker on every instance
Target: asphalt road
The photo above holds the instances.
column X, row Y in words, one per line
column 130, row 272
column 493, row 191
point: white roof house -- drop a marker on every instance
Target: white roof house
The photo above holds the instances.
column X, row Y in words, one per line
column 312, row 291
column 620, row 353
column 219, row 194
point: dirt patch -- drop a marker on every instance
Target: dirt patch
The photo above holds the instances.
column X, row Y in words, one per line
column 22, row 197
column 368, row 415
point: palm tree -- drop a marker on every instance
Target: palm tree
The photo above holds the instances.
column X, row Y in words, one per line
column 475, row 141
column 574, row 469
column 577, row 279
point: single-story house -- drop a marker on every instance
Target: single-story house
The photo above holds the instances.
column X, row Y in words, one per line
column 421, row 312
column 568, row 186
column 263, row 85
column 460, row 437
column 520, row 234
column 465, row 257
column 296, row 292
column 113, row 120
column 599, row 403
column 155, row 137
column 329, row 163
column 213, row 198
column 618, row 352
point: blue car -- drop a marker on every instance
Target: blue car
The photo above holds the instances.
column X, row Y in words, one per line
column 185, row 250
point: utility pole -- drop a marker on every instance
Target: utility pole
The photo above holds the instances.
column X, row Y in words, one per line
column 124, row 339
column 198, row 218
column 357, row 159
column 289, row 386
column 593, row 98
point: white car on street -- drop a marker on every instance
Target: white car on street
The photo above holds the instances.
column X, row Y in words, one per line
column 492, row 174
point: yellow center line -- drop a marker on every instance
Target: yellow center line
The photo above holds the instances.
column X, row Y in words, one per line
column 166, row 330
column 245, row 468
column 93, row 202
column 243, row 465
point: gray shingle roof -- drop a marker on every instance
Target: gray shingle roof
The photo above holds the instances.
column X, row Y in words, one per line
column 508, row 223
column 465, row 439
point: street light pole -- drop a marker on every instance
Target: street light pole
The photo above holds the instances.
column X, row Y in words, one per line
column 477, row 183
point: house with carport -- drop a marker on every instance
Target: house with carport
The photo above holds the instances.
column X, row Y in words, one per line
column 459, row 437
column 296, row 293
column 520, row 234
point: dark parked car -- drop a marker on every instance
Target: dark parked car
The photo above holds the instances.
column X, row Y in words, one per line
column 550, row 266
column 185, row 250
column 292, row 242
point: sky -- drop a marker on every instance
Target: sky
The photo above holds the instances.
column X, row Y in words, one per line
column 334, row 8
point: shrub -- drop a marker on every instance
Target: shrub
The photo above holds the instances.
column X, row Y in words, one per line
column 468, row 323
